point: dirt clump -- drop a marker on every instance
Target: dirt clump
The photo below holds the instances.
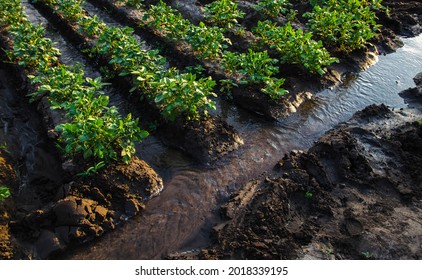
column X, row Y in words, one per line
column 205, row 140
column 86, row 208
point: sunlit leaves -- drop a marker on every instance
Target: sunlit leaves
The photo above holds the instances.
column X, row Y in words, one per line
column 223, row 13
column 345, row 25
column 272, row 8
column 94, row 129
column 4, row 192
column 295, row 46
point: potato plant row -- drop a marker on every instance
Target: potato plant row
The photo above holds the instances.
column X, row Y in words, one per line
column 90, row 126
column 344, row 25
column 293, row 45
column 177, row 95
column 209, row 42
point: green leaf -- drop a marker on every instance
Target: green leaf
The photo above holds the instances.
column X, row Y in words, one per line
column 4, row 192
column 87, row 153
column 143, row 134
column 160, row 97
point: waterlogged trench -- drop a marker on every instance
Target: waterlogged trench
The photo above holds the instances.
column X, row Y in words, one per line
column 182, row 216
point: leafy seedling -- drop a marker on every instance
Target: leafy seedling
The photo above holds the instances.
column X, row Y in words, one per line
column 308, row 195
column 4, row 192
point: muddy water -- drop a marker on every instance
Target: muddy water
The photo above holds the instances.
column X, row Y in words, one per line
column 24, row 138
column 182, row 216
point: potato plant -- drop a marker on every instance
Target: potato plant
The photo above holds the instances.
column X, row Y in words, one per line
column 10, row 12
column 91, row 26
column 295, row 46
column 272, row 8
column 31, row 48
column 174, row 89
column 70, row 9
column 223, row 13
column 207, row 42
column 4, row 192
column 166, row 19
column 254, row 68
column 346, row 25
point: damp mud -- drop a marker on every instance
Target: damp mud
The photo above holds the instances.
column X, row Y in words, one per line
column 355, row 194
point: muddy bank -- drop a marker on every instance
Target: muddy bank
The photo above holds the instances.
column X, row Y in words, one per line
column 86, row 208
column 356, row 194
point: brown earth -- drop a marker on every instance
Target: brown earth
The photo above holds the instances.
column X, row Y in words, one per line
column 356, row 194
column 85, row 208
column 7, row 179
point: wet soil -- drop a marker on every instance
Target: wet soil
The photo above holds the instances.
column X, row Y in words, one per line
column 355, row 194
column 86, row 208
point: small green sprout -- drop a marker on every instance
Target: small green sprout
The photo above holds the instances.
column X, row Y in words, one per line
column 367, row 255
column 4, row 192
column 308, row 195
column 93, row 169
